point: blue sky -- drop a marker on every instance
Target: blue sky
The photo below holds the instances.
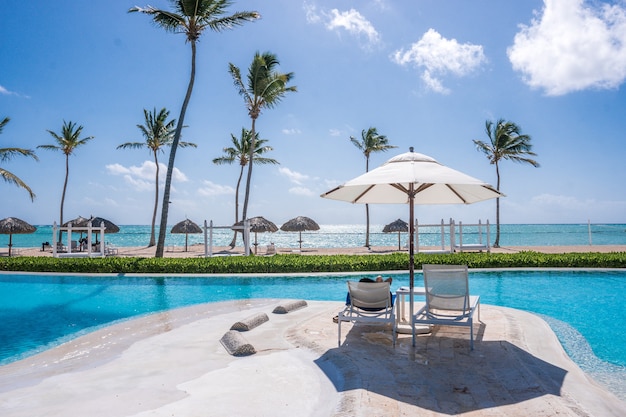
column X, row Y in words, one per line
column 425, row 73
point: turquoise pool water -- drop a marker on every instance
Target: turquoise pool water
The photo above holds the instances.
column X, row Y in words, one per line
column 586, row 308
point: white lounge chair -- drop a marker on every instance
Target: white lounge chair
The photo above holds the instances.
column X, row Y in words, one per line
column 370, row 302
column 448, row 302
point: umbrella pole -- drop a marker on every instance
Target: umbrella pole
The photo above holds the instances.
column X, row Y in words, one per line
column 10, row 243
column 411, row 258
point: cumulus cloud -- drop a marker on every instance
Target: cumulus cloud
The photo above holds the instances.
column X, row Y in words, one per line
column 572, row 46
column 351, row 21
column 210, row 188
column 293, row 176
column 142, row 177
column 436, row 57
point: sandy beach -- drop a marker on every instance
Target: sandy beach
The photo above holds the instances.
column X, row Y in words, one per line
column 199, row 250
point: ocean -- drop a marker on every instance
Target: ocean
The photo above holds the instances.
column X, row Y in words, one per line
column 353, row 235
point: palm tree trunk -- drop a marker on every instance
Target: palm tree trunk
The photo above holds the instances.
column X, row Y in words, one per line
column 234, row 241
column 367, row 207
column 170, row 165
column 496, row 244
column 156, row 201
column 249, row 178
column 67, row 175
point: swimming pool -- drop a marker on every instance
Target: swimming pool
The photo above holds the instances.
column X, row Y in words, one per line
column 40, row 311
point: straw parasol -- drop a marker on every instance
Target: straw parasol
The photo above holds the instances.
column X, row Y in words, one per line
column 300, row 224
column 186, row 227
column 397, row 226
column 14, row 226
column 80, row 221
column 259, row 224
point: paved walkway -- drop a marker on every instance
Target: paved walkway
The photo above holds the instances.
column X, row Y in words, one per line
column 173, row 363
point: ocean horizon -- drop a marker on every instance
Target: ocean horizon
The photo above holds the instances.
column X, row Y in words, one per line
column 353, row 235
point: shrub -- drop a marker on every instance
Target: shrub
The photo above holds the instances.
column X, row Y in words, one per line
column 294, row 263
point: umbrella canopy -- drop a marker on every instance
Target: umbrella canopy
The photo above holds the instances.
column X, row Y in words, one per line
column 186, row 227
column 14, row 226
column 109, row 226
column 397, row 226
column 259, row 224
column 300, row 224
column 413, row 178
column 80, row 221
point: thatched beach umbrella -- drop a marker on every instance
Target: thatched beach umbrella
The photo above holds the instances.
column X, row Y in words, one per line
column 300, row 224
column 80, row 221
column 186, row 227
column 14, row 226
column 397, row 226
column 259, row 224
column 109, row 226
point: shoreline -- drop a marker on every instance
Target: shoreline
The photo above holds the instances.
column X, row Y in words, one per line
column 172, row 363
column 197, row 250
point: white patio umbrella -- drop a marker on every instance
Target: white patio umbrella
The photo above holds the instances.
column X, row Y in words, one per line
column 413, row 178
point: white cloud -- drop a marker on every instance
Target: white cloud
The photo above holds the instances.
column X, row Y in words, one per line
column 6, row 92
column 572, row 46
column 303, row 191
column 293, row 176
column 141, row 177
column 436, row 57
column 351, row 21
column 334, row 132
column 311, row 13
column 210, row 188
column 291, row 131
column 354, row 23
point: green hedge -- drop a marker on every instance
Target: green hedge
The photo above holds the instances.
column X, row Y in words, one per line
column 293, row 263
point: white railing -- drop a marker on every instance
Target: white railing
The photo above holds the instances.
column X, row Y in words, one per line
column 481, row 245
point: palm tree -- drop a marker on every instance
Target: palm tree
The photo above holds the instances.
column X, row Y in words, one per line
column 370, row 142
column 8, row 153
column 190, row 17
column 506, row 141
column 158, row 133
column 265, row 88
column 66, row 142
column 240, row 152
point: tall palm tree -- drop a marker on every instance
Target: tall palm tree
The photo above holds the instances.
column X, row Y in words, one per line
column 66, row 142
column 6, row 154
column 158, row 133
column 190, row 17
column 506, row 141
column 265, row 88
column 240, row 152
column 370, row 142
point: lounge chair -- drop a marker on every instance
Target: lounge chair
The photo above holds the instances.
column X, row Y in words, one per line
column 448, row 302
column 370, row 302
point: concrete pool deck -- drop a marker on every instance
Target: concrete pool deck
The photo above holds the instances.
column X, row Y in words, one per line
column 173, row 363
